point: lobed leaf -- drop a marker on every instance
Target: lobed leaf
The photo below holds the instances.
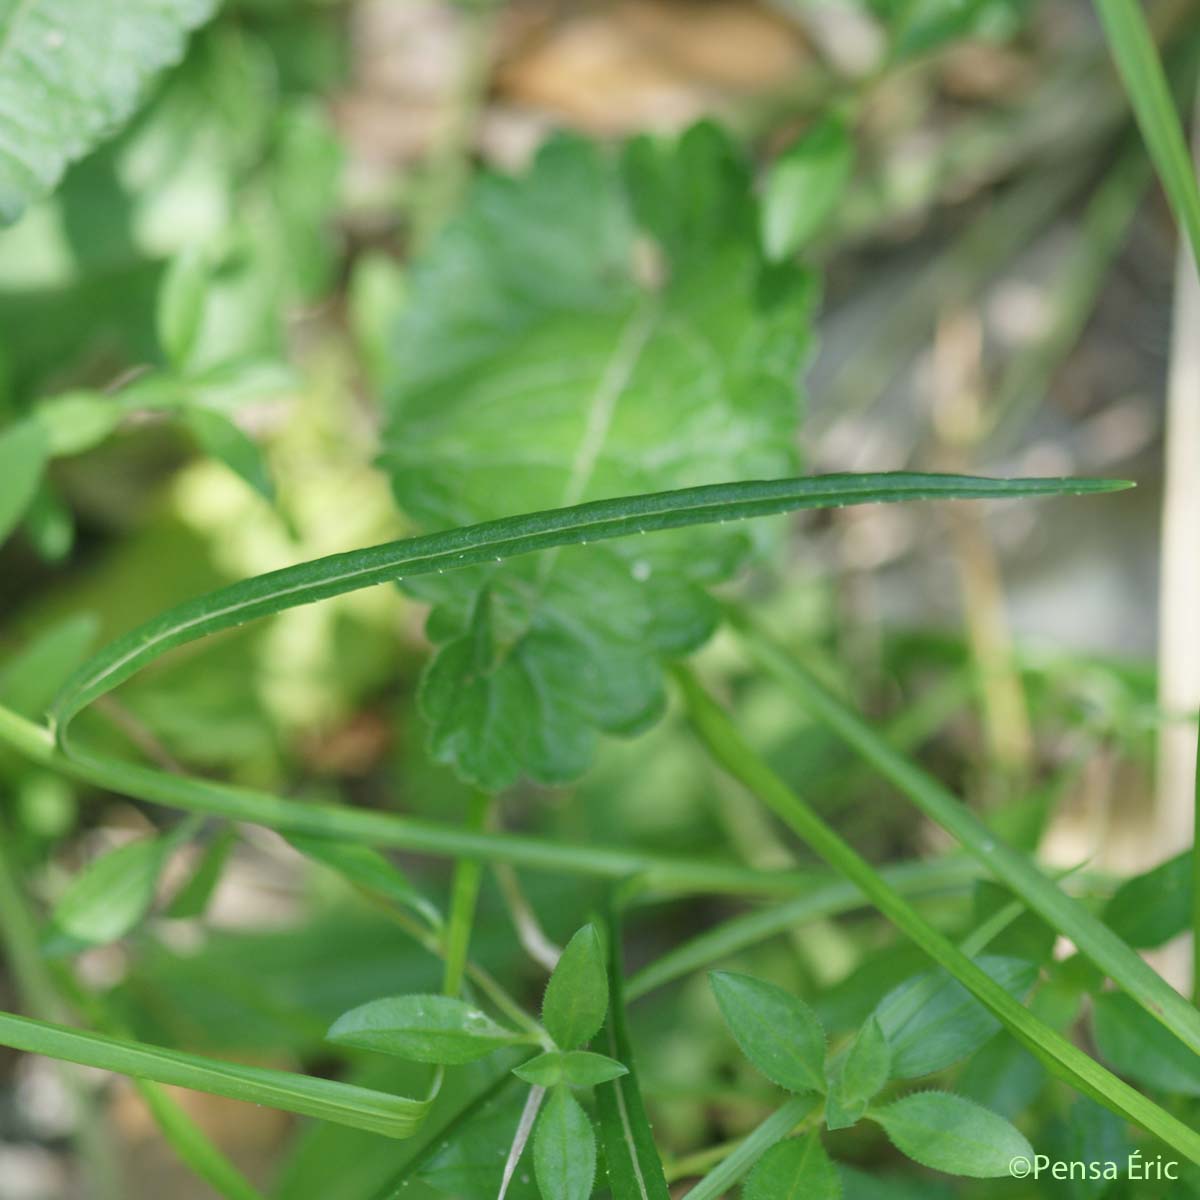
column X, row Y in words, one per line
column 70, row 74
column 775, row 1030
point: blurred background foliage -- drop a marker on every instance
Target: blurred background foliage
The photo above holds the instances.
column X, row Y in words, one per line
column 997, row 291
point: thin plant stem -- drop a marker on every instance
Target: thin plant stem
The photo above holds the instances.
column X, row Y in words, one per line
column 467, row 875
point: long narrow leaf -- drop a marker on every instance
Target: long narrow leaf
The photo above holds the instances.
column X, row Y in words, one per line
column 1141, row 70
column 631, row 1158
column 342, row 1103
column 496, row 540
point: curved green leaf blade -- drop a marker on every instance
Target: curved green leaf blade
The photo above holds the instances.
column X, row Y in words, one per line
column 579, row 1068
column 428, row 1029
column 952, row 1134
column 509, row 537
column 71, row 74
column 342, row 1103
column 577, row 995
column 564, row 1149
column 776, row 1031
column 797, row 1169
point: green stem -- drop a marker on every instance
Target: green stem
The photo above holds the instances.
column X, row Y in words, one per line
column 1092, row 937
column 1196, row 879
column 467, row 874
column 727, row 747
column 750, row 1149
column 654, row 872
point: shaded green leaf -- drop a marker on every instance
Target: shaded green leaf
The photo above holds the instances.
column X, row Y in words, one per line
column 70, row 74
column 368, row 869
column 803, row 187
column 952, row 1134
column 429, row 1029
column 78, row 420
column 775, row 1030
column 1136, row 1045
column 180, row 310
column 564, row 1149
column 112, row 893
column 1154, row 907
column 577, row 995
column 797, row 1169
column 23, row 453
column 932, row 1021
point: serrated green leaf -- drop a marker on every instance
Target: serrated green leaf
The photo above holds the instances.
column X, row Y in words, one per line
column 577, row 995
column 952, row 1134
column 656, row 353
column 112, row 893
column 579, row 1068
column 803, row 187
column 23, row 453
column 193, row 898
column 428, row 1029
column 564, row 1149
column 858, row 1075
column 1154, row 907
column 931, row 1021
column 70, row 74
column 219, row 437
column 797, row 1169
column 775, row 1030
column 1136, row 1045
column 180, row 308
column 370, row 870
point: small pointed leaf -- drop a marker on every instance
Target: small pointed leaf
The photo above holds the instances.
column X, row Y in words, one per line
column 23, row 451
column 776, row 1031
column 577, row 994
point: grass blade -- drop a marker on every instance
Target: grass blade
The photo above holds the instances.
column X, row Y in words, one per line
column 496, row 540
column 342, row 1103
column 1062, row 1057
column 1145, row 81
column 1092, row 937
column 635, row 1171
